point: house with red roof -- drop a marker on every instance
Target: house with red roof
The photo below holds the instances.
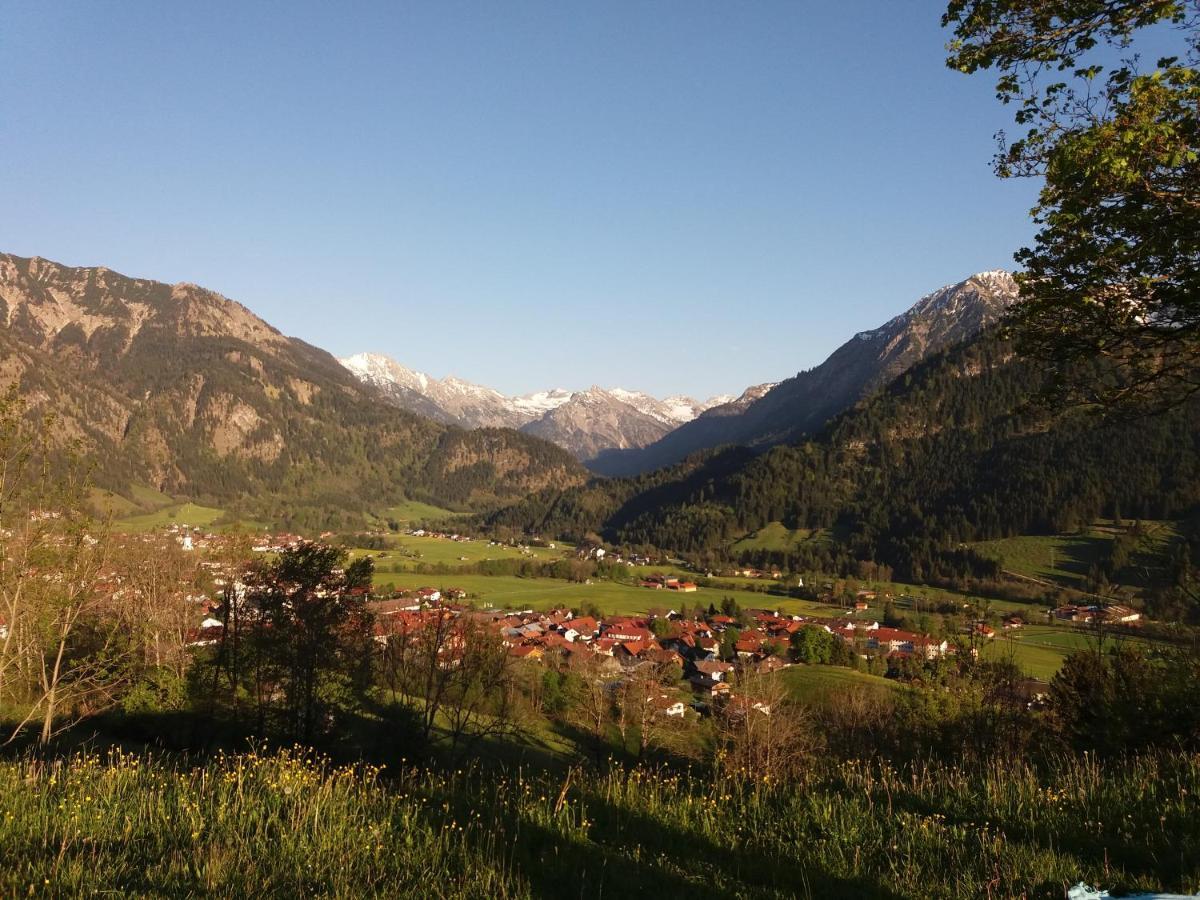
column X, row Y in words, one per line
column 629, row 633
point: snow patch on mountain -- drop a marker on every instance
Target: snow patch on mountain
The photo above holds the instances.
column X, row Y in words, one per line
column 582, row 421
column 539, row 403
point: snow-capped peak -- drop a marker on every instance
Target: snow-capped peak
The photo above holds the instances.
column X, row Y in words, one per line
column 462, row 402
column 380, row 370
column 674, row 410
column 661, row 410
column 539, row 403
column 995, row 287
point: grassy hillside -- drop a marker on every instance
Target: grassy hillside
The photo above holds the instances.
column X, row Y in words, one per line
column 822, row 684
column 778, row 537
column 411, row 512
column 192, row 514
column 1066, row 559
column 411, row 550
column 286, row 826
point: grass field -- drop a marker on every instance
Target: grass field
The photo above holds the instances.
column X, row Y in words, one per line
column 510, row 592
column 138, row 500
column 149, row 497
column 284, row 825
column 175, row 514
column 1038, row 660
column 106, row 503
column 776, row 536
column 411, row 512
column 1039, row 650
column 442, row 551
column 821, row 684
column 923, row 598
column 1066, row 558
column 688, row 575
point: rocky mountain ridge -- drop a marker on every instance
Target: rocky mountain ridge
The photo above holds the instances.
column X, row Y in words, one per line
column 181, row 389
column 584, row 422
column 802, row 404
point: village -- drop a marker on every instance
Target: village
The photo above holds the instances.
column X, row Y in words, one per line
column 703, row 652
column 697, row 651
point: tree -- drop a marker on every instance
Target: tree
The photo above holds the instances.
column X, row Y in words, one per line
column 1121, row 700
column 638, row 699
column 483, row 704
column 729, row 638
column 309, row 636
column 68, row 636
column 729, row 607
column 159, row 579
column 761, row 732
column 1114, row 276
column 65, row 644
column 456, row 673
column 590, row 608
column 813, row 645
column 594, row 699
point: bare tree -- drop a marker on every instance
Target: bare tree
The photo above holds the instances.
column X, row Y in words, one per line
column 483, row 700
column 761, row 732
column 159, row 578
column 455, row 672
column 639, row 704
column 594, row 709
column 65, row 647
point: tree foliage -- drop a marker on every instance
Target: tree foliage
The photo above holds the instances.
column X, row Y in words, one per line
column 1121, row 699
column 1114, row 274
column 297, row 641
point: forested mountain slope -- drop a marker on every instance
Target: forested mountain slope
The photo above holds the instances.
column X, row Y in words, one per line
column 950, row 452
column 184, row 390
column 803, row 404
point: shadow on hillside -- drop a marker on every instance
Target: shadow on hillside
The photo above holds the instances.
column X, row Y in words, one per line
column 629, row 854
column 185, row 735
column 1136, row 857
column 1077, row 556
column 713, row 469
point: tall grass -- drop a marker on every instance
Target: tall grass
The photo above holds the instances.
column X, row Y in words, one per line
column 290, row 824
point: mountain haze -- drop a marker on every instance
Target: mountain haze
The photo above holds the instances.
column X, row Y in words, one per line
column 869, row 360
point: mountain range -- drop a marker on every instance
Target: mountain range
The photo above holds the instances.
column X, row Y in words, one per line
column 583, row 422
column 950, row 453
column 622, row 432
column 800, row 405
column 178, row 389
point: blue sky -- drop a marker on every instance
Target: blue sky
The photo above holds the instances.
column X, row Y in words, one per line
column 679, row 197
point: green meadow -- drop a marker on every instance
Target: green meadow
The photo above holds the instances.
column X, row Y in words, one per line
column 822, row 684
column 411, row 512
column 777, row 536
column 293, row 825
column 188, row 513
column 409, row 551
column 1066, row 558
column 615, row 598
column 1039, row 650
